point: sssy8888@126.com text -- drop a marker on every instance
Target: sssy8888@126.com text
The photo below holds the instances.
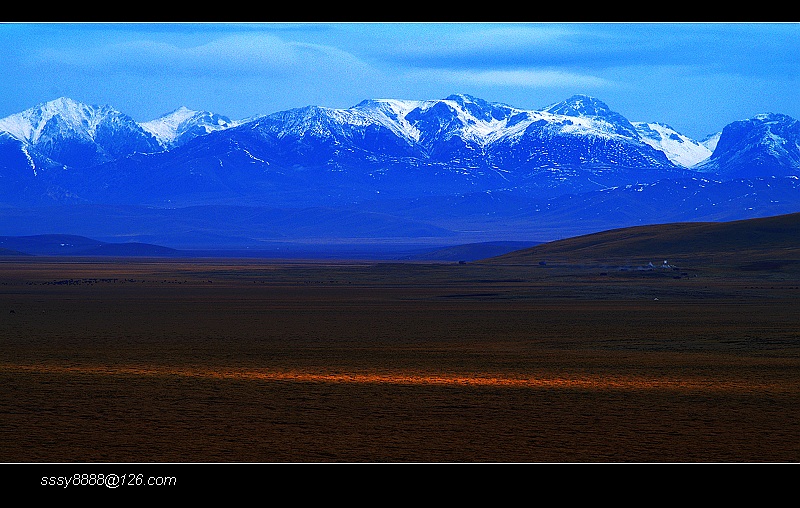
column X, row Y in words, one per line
column 111, row 481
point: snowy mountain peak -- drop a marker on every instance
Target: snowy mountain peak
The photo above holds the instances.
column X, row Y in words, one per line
column 72, row 133
column 481, row 109
column 78, row 118
column 183, row 124
column 391, row 113
column 463, row 98
column 474, row 121
column 769, row 117
column 585, row 106
column 580, row 105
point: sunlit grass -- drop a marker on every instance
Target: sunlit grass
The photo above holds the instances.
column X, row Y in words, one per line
column 582, row 382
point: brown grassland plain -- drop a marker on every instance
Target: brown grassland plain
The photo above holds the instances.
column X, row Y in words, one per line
column 233, row 360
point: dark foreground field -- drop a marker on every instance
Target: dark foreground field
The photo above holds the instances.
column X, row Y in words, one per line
column 112, row 360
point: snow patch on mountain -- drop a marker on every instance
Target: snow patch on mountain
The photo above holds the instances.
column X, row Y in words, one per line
column 30, row 159
column 19, row 126
column 711, row 141
column 678, row 148
column 581, row 125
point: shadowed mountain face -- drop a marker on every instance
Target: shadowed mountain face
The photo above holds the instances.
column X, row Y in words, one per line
column 770, row 242
column 765, row 145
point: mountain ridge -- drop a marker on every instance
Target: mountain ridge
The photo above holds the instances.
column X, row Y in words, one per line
column 479, row 119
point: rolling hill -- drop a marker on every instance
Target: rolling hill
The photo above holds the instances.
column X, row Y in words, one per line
column 751, row 244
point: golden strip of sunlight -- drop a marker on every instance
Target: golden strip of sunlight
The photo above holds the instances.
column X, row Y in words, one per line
column 591, row 382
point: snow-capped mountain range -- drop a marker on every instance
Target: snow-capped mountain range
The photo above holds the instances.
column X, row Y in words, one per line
column 419, row 160
column 54, row 128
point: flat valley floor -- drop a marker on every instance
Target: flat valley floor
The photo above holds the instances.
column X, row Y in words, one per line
column 221, row 361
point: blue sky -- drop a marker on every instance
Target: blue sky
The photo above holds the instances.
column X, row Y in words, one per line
column 696, row 77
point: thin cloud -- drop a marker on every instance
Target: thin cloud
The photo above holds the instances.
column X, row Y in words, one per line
column 595, row 47
column 240, row 54
column 532, row 78
column 455, row 46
